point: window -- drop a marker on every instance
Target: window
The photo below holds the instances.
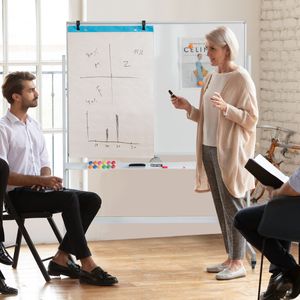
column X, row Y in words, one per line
column 33, row 38
column 1, row 40
column 53, row 28
column 21, row 28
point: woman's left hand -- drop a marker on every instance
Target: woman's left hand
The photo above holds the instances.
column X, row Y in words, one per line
column 218, row 102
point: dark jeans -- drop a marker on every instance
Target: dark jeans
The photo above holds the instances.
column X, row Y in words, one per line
column 4, row 171
column 277, row 251
column 78, row 211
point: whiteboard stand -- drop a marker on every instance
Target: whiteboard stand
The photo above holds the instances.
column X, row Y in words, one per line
column 67, row 165
column 249, row 249
column 65, row 120
column 85, row 181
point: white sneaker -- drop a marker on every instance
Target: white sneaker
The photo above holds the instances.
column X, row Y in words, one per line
column 227, row 274
column 216, row 268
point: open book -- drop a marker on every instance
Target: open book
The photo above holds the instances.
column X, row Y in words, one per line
column 265, row 172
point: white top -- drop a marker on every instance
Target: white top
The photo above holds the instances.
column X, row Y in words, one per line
column 22, row 145
column 211, row 113
column 294, row 180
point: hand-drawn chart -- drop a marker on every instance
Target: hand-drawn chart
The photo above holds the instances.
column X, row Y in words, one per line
column 110, row 92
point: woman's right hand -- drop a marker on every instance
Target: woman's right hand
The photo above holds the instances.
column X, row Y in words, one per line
column 181, row 103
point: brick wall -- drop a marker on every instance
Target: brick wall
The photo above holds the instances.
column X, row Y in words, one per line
column 279, row 97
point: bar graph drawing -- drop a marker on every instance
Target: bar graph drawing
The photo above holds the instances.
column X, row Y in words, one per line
column 108, row 139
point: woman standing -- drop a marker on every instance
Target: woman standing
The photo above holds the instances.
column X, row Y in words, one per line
column 227, row 118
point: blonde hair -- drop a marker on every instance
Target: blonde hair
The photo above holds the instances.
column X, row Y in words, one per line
column 224, row 36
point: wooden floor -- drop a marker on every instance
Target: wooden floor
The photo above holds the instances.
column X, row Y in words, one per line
column 147, row 269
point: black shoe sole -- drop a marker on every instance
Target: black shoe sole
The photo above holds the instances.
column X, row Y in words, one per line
column 98, row 283
column 57, row 270
column 8, row 291
column 57, row 273
column 8, row 263
column 6, row 259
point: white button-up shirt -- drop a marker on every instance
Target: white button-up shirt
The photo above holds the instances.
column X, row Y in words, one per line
column 22, row 145
column 294, row 180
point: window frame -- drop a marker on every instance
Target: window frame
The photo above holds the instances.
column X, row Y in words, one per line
column 38, row 64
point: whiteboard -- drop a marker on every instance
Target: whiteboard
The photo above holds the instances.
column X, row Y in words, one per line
column 110, row 78
column 173, row 134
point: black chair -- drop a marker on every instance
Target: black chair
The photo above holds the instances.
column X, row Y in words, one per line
column 280, row 221
column 9, row 214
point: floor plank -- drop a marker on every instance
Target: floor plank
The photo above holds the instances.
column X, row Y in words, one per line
column 147, row 269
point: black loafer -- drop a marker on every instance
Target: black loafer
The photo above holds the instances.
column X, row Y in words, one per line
column 290, row 283
column 7, row 290
column 5, row 258
column 271, row 293
column 72, row 270
column 97, row 277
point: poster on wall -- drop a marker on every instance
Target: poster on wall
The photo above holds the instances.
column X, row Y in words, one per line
column 194, row 63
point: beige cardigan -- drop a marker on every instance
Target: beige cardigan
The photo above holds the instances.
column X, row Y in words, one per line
column 236, row 134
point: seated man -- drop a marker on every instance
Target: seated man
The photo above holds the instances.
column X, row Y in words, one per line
column 285, row 270
column 4, row 258
column 23, row 146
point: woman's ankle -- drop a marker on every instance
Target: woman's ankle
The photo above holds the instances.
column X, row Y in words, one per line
column 236, row 264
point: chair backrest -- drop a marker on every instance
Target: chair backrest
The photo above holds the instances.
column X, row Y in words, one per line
column 281, row 219
column 4, row 172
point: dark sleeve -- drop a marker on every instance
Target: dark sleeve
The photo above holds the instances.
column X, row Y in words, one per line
column 4, row 172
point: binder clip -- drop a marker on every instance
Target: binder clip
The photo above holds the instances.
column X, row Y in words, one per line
column 78, row 25
column 143, row 25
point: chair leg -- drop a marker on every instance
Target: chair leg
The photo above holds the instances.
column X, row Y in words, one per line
column 261, row 269
column 57, row 232
column 299, row 253
column 33, row 249
column 55, row 229
column 17, row 249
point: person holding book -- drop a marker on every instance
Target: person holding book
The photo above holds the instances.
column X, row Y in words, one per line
column 226, row 132
column 284, row 268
